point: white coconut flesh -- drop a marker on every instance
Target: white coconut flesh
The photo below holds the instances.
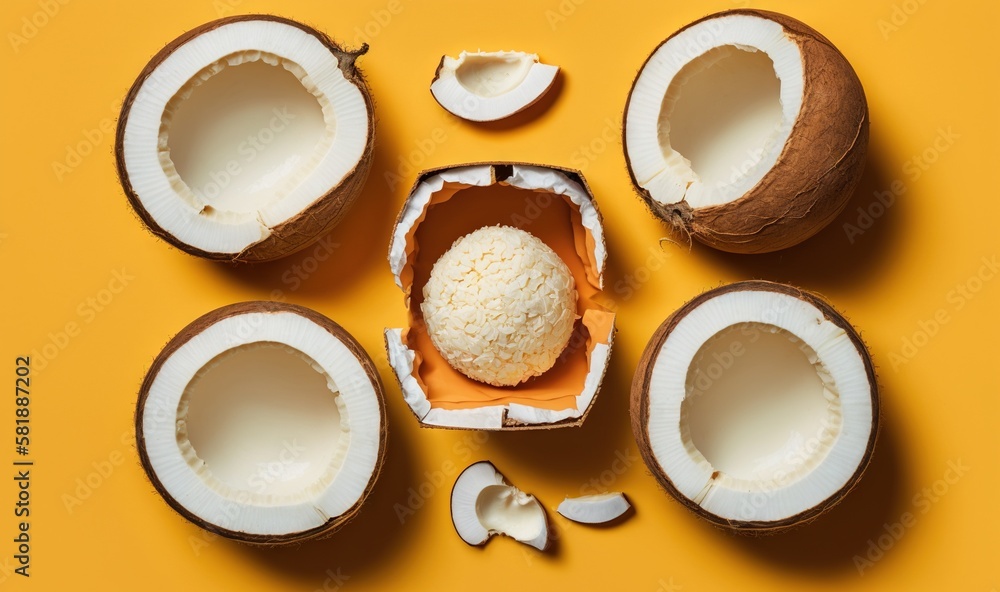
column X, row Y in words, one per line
column 233, row 416
column 240, row 129
column 264, row 424
column 486, row 86
column 712, row 109
column 759, row 407
column 483, row 504
column 403, row 357
column 599, row 508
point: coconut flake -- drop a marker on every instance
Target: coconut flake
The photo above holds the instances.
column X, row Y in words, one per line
column 484, row 504
column 500, row 305
column 595, row 509
column 486, row 86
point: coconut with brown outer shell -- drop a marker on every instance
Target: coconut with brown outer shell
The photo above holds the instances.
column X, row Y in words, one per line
column 776, row 167
column 261, row 510
column 323, row 189
column 806, row 477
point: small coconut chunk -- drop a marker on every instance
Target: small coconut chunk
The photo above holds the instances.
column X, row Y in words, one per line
column 491, row 85
column 484, row 504
column 595, row 509
column 500, row 305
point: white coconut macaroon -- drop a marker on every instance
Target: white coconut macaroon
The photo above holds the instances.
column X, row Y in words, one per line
column 500, row 305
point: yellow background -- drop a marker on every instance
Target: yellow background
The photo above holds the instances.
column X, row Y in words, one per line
column 62, row 240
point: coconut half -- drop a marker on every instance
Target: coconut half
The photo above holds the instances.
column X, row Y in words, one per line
column 746, row 129
column 484, row 504
column 756, row 406
column 554, row 205
column 599, row 508
column 246, row 139
column 486, row 86
column 262, row 422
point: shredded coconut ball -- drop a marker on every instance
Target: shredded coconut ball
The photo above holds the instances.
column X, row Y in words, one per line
column 500, row 305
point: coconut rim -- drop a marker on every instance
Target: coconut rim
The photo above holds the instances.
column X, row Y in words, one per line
column 195, row 328
column 344, row 193
column 400, row 356
column 640, row 403
column 690, row 221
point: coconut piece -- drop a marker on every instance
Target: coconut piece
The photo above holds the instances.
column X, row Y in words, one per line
column 486, row 86
column 484, row 504
column 262, row 422
column 500, row 305
column 595, row 509
column 747, row 130
column 557, row 207
column 246, row 139
column 756, row 406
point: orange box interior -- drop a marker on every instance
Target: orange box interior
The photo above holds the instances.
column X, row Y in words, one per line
column 457, row 210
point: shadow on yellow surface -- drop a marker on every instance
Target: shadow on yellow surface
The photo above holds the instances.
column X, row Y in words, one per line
column 846, row 256
column 575, row 455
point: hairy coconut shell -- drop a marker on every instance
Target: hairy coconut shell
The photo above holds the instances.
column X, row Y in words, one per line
column 640, row 402
column 817, row 171
column 308, row 225
column 196, row 328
